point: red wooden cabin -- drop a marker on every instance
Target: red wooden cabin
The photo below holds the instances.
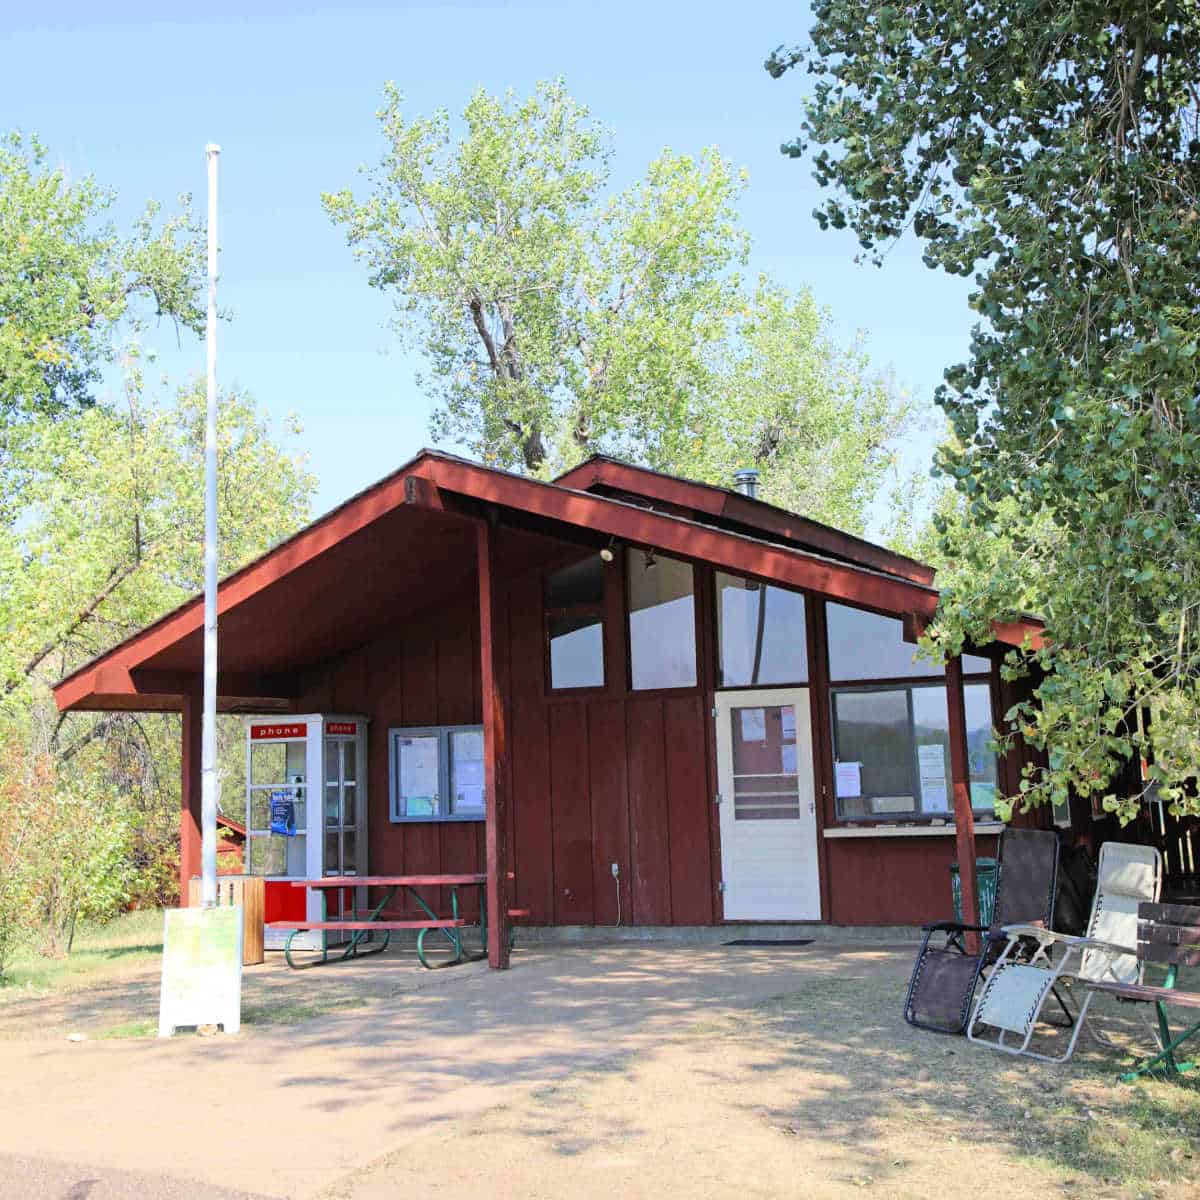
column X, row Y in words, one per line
column 694, row 707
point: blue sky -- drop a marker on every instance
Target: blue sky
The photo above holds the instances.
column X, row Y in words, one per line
column 290, row 93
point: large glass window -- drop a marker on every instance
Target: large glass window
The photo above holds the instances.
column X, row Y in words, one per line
column 761, row 633
column 574, row 598
column 892, row 752
column 662, row 621
column 436, row 774
column 864, row 645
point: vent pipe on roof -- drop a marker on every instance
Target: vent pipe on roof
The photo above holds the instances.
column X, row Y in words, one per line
column 746, row 482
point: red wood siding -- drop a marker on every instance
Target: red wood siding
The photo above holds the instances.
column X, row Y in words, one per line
column 613, row 776
column 893, row 881
column 602, row 777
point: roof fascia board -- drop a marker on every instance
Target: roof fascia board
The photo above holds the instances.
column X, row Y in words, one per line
column 720, row 502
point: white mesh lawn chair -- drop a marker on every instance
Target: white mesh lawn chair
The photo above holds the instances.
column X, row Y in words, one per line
column 1010, row 1005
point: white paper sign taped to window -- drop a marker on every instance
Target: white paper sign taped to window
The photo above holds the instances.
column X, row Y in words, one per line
column 847, row 777
column 931, row 760
column 788, row 714
column 754, row 724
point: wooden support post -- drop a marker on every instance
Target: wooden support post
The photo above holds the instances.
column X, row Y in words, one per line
column 189, row 790
column 495, row 748
column 964, row 818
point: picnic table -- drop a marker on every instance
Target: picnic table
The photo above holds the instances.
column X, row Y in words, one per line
column 362, row 925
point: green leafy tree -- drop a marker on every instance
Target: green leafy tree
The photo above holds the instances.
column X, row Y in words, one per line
column 105, row 535
column 73, row 287
column 558, row 319
column 1051, row 152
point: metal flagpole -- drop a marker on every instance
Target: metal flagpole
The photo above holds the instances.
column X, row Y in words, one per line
column 208, row 749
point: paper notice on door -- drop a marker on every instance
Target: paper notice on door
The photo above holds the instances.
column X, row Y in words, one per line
column 848, row 780
column 789, row 723
column 754, row 724
column 789, row 758
column 931, row 760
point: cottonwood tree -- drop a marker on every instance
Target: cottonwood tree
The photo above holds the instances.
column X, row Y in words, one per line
column 558, row 319
column 1052, row 153
column 73, row 286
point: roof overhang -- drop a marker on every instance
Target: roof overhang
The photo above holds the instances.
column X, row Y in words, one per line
column 746, row 514
column 384, row 554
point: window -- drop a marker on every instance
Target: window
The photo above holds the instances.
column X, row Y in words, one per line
column 662, row 621
column 574, row 599
column 864, row 645
column 436, row 774
column 761, row 632
column 892, row 752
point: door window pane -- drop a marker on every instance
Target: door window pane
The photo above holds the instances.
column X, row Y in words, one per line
column 864, row 645
column 349, row 852
column 417, row 776
column 765, row 779
column 263, row 856
column 662, row 622
column 332, row 816
column 332, row 865
column 466, row 771
column 349, row 808
column 297, row 762
column 268, row 762
column 350, row 761
column 762, row 633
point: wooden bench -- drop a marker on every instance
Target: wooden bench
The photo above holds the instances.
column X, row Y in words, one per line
column 366, row 924
column 1167, row 934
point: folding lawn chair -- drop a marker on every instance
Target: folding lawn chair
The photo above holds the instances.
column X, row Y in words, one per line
column 944, row 975
column 1012, row 999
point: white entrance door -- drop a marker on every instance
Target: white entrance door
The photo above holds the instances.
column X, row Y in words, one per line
column 768, row 806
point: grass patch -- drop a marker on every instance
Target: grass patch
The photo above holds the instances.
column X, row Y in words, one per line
column 1075, row 1122
column 129, row 1029
column 1137, row 1134
column 286, row 1011
column 100, row 952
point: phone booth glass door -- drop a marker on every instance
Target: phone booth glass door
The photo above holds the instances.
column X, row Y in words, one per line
column 277, row 804
column 341, row 806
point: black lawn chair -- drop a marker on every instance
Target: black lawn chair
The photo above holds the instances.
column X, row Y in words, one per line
column 944, row 976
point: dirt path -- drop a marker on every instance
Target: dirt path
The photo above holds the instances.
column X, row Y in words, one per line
column 581, row 1073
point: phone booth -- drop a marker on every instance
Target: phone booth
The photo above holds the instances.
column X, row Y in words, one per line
column 291, row 834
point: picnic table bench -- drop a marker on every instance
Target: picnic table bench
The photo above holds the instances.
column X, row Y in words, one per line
column 1170, row 934
column 361, row 925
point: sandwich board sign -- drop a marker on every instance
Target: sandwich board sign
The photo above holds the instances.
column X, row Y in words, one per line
column 201, row 970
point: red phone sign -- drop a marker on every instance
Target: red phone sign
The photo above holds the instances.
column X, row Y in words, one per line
column 341, row 727
column 263, row 733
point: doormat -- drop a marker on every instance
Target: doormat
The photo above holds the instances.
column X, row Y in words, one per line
column 770, row 942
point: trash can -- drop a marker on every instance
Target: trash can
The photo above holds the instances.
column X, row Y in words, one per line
column 246, row 892
column 986, row 873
